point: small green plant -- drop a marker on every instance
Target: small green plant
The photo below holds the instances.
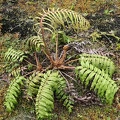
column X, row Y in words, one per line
column 13, row 92
column 44, row 79
column 98, row 81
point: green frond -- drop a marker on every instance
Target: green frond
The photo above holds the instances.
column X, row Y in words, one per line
column 101, row 62
column 35, row 43
column 14, row 55
column 16, row 72
column 13, row 93
column 98, row 81
column 33, row 83
column 45, row 97
column 67, row 19
column 62, row 95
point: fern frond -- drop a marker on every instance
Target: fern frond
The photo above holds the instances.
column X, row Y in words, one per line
column 35, row 43
column 34, row 83
column 13, row 93
column 62, row 95
column 14, row 56
column 101, row 62
column 45, row 97
column 98, row 81
column 16, row 72
column 67, row 19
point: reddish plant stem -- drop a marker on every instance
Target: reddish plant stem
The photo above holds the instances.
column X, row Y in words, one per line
column 57, row 48
column 42, row 32
column 72, row 61
column 65, row 48
column 49, row 57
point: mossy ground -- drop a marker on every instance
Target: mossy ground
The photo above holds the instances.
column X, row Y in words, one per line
column 80, row 112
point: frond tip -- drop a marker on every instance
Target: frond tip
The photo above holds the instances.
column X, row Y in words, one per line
column 13, row 93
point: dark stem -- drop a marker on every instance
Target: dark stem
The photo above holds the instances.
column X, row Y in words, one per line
column 57, row 47
column 39, row 66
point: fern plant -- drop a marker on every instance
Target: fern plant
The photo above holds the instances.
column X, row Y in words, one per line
column 43, row 70
column 101, row 62
column 35, row 43
column 13, row 93
column 98, row 81
column 33, row 83
column 14, row 56
column 45, row 97
column 13, row 60
column 67, row 19
column 61, row 94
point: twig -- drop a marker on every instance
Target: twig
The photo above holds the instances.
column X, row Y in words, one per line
column 49, row 57
column 29, row 73
column 69, row 76
column 30, row 63
column 66, row 67
column 72, row 61
column 39, row 66
column 72, row 56
column 57, row 47
column 66, row 80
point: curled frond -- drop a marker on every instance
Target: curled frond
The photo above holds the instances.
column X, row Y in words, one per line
column 98, row 81
column 13, row 93
column 101, row 62
column 62, row 18
column 35, row 43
